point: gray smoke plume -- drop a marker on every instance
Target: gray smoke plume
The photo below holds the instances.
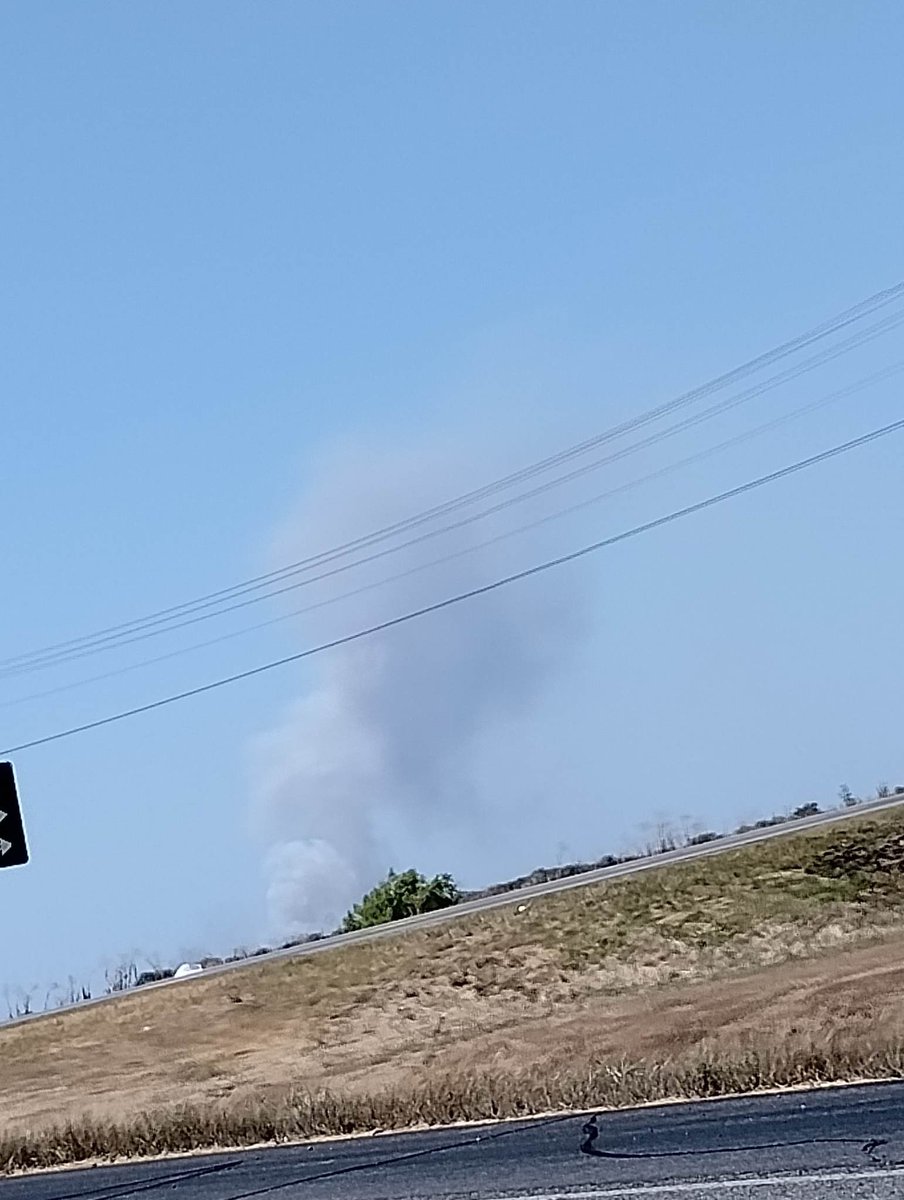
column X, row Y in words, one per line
column 383, row 751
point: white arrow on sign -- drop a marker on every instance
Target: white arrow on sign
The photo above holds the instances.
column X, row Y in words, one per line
column 2, row 815
column 4, row 846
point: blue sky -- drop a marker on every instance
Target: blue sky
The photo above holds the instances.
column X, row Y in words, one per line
column 274, row 270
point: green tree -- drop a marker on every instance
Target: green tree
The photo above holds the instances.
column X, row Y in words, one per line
column 400, row 896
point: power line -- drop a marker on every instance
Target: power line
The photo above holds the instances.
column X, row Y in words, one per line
column 629, row 485
column 849, row 316
column 166, row 625
column 470, row 594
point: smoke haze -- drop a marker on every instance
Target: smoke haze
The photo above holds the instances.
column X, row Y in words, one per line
column 386, row 741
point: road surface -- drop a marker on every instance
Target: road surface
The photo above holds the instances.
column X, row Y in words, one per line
column 521, row 896
column 843, row 1143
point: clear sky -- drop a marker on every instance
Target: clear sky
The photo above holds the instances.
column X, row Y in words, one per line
column 275, row 272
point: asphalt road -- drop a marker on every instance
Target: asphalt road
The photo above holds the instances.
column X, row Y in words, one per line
column 839, row 1143
column 521, row 896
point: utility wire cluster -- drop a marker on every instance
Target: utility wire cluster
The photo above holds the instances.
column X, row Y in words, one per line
column 858, row 326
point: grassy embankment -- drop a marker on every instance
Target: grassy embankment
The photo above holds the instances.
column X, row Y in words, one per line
column 774, row 965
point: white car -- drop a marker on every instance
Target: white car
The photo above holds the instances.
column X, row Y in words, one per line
column 187, row 969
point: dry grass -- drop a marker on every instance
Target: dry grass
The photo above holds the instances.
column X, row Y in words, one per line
column 298, row 1115
column 769, row 965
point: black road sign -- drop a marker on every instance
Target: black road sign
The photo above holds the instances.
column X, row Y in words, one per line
column 13, row 847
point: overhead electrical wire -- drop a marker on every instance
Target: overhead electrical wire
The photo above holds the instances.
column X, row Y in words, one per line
column 164, row 625
column 471, row 593
column 558, row 514
column 849, row 316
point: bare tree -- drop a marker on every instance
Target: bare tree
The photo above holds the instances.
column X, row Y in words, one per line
column 19, row 1003
column 847, row 797
column 122, row 977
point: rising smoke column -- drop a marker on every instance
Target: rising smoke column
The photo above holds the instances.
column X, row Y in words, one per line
column 387, row 735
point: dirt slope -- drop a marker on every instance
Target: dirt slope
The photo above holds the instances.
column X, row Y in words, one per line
column 798, row 939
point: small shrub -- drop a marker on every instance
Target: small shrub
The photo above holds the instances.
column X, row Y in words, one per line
column 400, row 896
column 810, row 809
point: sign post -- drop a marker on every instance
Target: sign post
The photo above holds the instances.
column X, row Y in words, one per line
column 13, row 846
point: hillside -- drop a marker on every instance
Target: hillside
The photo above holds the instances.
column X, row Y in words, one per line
column 778, row 963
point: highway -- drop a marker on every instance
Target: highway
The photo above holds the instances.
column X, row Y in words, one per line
column 843, row 1143
column 521, row 896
